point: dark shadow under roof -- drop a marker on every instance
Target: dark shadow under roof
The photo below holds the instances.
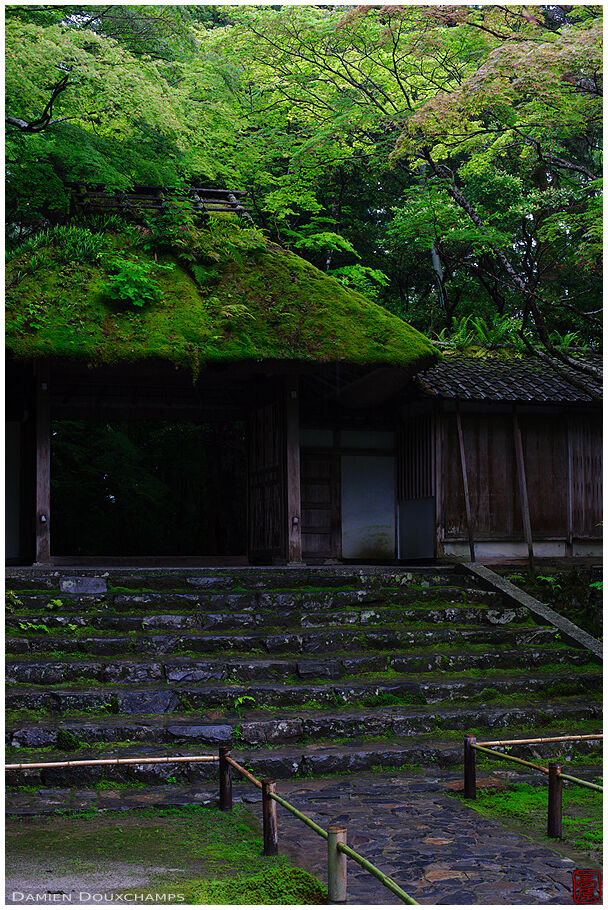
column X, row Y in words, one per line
column 500, row 377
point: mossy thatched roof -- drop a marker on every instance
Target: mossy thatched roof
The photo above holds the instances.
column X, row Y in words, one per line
column 223, row 293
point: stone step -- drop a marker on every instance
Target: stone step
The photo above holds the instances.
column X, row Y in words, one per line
column 80, row 623
column 258, row 601
column 305, row 758
column 423, row 689
column 188, row 669
column 302, row 642
column 226, row 579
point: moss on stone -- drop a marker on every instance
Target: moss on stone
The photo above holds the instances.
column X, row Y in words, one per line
column 230, row 295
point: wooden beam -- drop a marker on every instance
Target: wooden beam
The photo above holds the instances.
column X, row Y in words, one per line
column 523, row 488
column 43, row 465
column 465, row 482
column 292, row 474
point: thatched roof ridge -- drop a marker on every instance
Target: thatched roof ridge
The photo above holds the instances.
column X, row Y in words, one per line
column 225, row 293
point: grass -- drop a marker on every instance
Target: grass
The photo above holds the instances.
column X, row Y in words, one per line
column 522, row 804
column 209, row 857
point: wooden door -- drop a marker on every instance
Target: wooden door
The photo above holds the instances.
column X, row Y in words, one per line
column 266, row 470
column 321, row 529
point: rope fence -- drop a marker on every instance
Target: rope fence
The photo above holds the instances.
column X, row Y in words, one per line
column 554, row 771
column 336, row 836
column 337, row 847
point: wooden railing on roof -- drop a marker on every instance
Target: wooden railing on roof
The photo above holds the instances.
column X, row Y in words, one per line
column 202, row 201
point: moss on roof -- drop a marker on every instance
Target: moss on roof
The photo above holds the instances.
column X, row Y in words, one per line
column 225, row 293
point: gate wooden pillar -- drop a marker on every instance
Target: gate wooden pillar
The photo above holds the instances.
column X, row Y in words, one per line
column 292, row 473
column 43, row 465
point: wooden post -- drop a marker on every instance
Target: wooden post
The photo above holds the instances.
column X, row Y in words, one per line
column 336, row 865
column 570, row 501
column 293, row 498
column 43, row 465
column 470, row 781
column 465, row 482
column 269, row 818
column 554, row 814
column 225, row 781
column 523, row 488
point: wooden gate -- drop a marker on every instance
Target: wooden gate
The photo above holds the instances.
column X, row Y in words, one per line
column 266, row 486
column 321, row 530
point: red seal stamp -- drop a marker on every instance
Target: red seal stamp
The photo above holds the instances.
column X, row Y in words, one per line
column 587, row 886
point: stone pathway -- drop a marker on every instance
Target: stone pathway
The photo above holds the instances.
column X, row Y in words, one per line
column 437, row 848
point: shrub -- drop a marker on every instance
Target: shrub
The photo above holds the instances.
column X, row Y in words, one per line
column 131, row 281
column 67, row 742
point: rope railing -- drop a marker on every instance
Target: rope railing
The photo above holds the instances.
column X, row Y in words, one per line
column 554, row 772
column 337, row 848
column 157, row 760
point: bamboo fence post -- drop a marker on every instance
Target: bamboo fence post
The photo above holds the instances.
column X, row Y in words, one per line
column 269, row 818
column 225, row 780
column 554, row 813
column 336, row 865
column 470, row 782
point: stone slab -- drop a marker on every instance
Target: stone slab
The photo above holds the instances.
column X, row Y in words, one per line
column 85, row 584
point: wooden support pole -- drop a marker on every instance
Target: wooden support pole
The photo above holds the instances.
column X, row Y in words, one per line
column 554, row 814
column 225, row 781
column 269, row 818
column 293, row 498
column 465, row 482
column 523, row 489
column 43, row 465
column 470, row 780
column 336, row 865
column 570, row 499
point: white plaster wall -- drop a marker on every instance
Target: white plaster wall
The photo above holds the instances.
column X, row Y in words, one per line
column 494, row 549
column 368, row 507
column 587, row 548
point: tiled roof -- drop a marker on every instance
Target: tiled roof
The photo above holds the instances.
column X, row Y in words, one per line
column 501, row 378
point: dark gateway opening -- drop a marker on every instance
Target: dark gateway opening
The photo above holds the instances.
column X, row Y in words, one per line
column 148, row 488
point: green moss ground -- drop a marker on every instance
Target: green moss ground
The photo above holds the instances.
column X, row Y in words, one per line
column 524, row 807
column 229, row 296
column 210, row 857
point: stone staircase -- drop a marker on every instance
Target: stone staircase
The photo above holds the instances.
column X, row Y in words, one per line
column 304, row 671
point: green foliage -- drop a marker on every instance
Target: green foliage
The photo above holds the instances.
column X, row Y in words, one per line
column 366, row 281
column 321, row 241
column 569, row 593
column 351, row 128
column 34, row 627
column 12, row 601
column 67, row 741
column 131, row 281
column 272, row 886
column 242, row 702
